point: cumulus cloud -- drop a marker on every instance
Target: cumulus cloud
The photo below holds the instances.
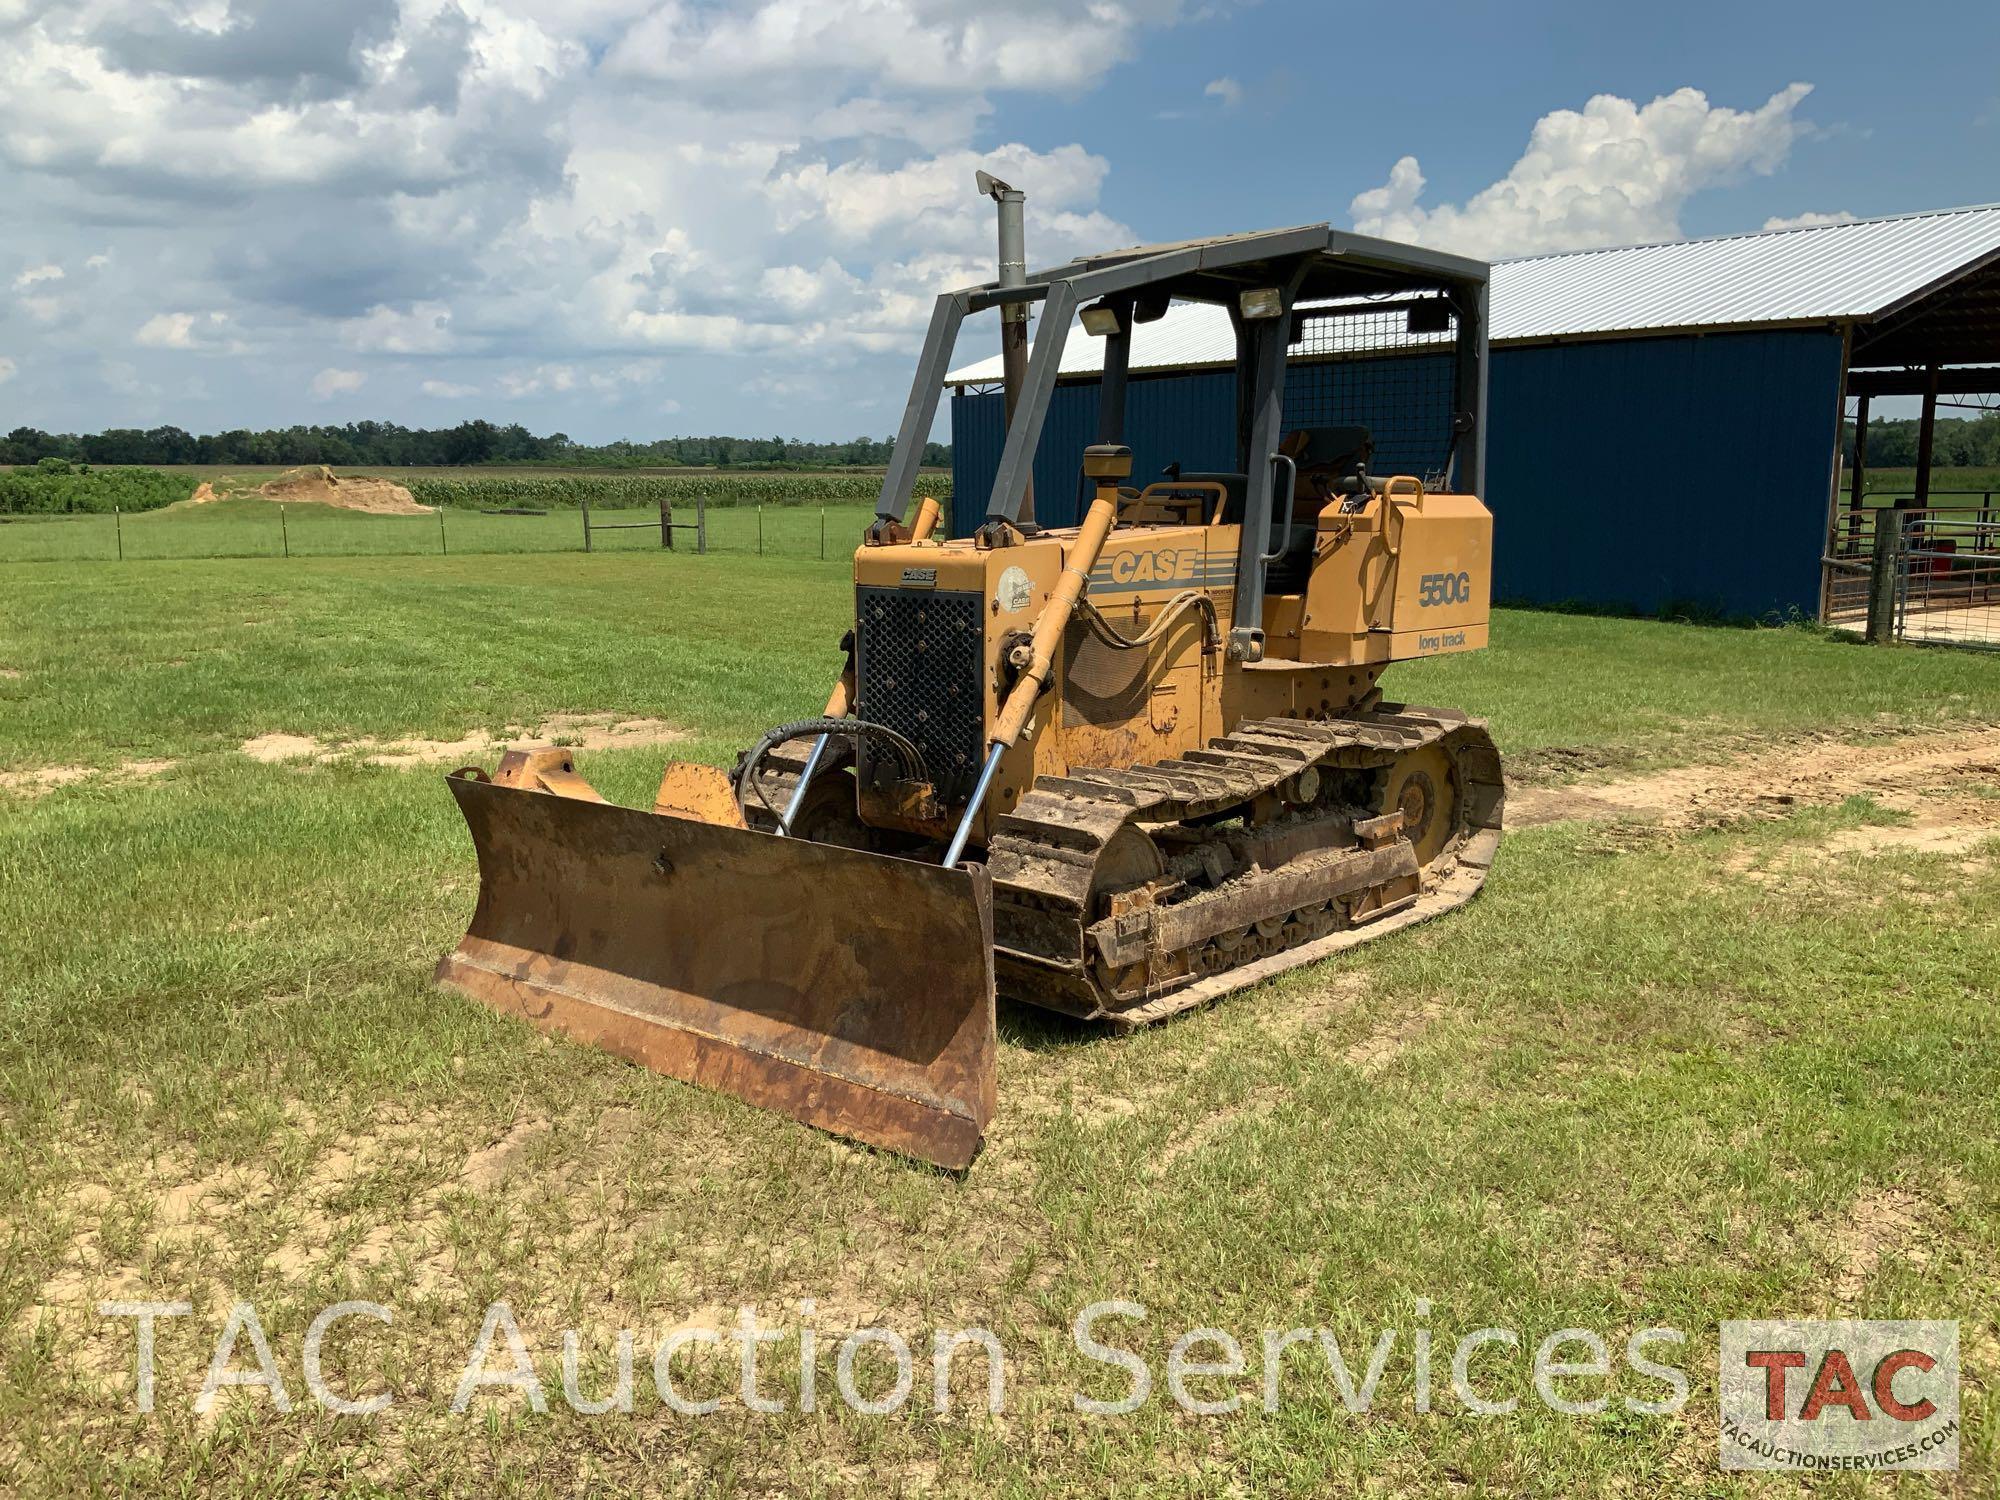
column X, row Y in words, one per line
column 185, row 330
column 37, row 273
column 8, row 369
column 518, row 383
column 581, row 186
column 421, row 328
column 919, row 45
column 448, row 389
column 1227, row 89
column 1810, row 220
column 1615, row 172
column 331, row 382
column 166, row 331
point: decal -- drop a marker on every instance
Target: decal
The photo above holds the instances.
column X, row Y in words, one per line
column 1444, row 588
column 1014, row 592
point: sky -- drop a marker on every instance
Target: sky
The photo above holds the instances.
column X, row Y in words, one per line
column 640, row 218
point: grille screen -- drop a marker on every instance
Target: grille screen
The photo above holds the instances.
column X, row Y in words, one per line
column 918, row 659
column 1352, row 366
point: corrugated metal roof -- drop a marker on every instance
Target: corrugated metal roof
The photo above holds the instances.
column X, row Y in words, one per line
column 1822, row 273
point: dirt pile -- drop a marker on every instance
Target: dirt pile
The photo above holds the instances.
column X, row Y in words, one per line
column 316, row 484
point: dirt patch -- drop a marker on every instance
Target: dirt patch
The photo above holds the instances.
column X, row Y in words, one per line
column 1769, row 784
column 1881, row 1222
column 316, row 484
column 1203, row 1132
column 45, row 779
column 204, row 494
column 1294, row 1015
column 1375, row 1052
column 10, row 674
column 583, row 731
column 496, row 1163
column 1954, row 826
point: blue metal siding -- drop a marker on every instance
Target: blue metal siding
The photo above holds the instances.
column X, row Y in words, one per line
column 1650, row 474
column 1185, row 417
column 1191, row 418
column 1664, row 474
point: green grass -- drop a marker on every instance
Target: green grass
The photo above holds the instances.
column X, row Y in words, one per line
column 1954, row 488
column 243, row 527
column 1630, row 1085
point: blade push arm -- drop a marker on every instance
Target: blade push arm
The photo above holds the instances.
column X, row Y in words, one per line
column 1107, row 463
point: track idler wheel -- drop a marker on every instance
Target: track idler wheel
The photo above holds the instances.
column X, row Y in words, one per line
column 1423, row 786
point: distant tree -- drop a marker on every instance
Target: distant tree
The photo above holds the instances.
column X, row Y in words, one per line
column 469, row 443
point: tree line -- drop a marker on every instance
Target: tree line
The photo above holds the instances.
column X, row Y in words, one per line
column 1960, row 442
column 469, row 443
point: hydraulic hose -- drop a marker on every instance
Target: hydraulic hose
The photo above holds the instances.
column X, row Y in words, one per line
column 909, row 759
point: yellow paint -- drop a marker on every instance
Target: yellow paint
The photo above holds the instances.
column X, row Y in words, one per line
column 1407, row 575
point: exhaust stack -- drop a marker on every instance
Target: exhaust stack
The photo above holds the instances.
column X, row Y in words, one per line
column 1012, row 205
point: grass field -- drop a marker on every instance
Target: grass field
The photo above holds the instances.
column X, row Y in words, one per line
column 1658, row 1074
column 258, row 528
column 1953, row 487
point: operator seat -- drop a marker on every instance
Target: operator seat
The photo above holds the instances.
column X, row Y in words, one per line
column 1332, row 464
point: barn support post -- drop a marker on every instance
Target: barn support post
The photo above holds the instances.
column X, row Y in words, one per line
column 1859, row 477
column 1926, row 440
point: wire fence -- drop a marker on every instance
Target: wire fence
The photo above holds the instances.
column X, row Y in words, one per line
column 1953, row 515
column 1949, row 589
column 827, row 532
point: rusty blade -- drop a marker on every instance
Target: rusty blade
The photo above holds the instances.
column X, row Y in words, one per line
column 849, row 990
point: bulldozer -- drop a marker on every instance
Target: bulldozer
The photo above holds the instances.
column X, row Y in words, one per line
column 1115, row 769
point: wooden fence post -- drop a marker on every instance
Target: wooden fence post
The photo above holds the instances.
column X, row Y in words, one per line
column 701, row 525
column 1884, row 566
column 585, row 506
column 284, row 532
column 666, row 524
column 118, row 524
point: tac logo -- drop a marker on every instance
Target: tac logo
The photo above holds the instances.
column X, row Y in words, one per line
column 1839, row 1395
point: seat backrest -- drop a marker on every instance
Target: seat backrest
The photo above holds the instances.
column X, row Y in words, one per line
column 1331, row 461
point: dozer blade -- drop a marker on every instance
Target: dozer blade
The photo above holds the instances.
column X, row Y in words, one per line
column 849, row 990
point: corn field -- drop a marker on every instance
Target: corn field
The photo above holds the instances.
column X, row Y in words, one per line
column 637, row 491
column 89, row 491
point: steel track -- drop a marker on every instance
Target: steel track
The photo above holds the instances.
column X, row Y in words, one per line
column 1052, row 934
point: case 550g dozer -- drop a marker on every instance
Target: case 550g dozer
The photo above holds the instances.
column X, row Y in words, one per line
column 1115, row 769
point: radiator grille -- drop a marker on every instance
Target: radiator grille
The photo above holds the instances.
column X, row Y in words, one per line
column 918, row 659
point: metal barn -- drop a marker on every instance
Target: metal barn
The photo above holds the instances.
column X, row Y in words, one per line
column 1664, row 420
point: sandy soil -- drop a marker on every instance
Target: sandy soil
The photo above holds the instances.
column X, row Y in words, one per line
column 1814, row 772
column 316, row 484
column 584, row 731
column 47, row 778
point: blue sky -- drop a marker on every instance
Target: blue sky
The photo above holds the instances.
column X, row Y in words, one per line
column 642, row 217
column 1904, row 113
